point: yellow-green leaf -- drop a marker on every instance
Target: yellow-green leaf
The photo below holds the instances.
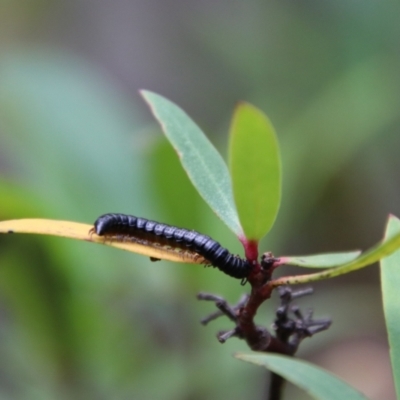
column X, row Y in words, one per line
column 255, row 167
column 78, row 231
column 387, row 246
column 327, row 260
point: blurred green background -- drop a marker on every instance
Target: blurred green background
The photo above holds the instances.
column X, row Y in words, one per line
column 76, row 140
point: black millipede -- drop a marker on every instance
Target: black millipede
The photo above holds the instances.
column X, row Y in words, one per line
column 144, row 231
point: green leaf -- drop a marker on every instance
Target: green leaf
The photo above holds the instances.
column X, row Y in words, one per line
column 383, row 249
column 390, row 280
column 314, row 380
column 255, row 166
column 202, row 162
column 320, row 260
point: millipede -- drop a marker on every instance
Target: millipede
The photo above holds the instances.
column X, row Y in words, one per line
column 199, row 247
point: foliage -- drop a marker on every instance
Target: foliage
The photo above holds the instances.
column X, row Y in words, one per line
column 390, row 279
column 76, row 141
column 251, row 134
column 313, row 380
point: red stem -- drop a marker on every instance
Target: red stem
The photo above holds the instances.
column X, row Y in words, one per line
column 250, row 249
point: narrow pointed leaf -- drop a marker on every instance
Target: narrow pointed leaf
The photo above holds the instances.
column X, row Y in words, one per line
column 202, row 162
column 383, row 249
column 255, row 166
column 319, row 383
column 390, row 281
column 78, row 231
column 320, row 260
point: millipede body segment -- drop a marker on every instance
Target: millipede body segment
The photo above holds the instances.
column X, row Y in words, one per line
column 141, row 230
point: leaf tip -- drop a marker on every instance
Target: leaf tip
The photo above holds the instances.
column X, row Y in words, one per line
column 391, row 219
column 243, row 105
column 240, row 103
column 144, row 93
